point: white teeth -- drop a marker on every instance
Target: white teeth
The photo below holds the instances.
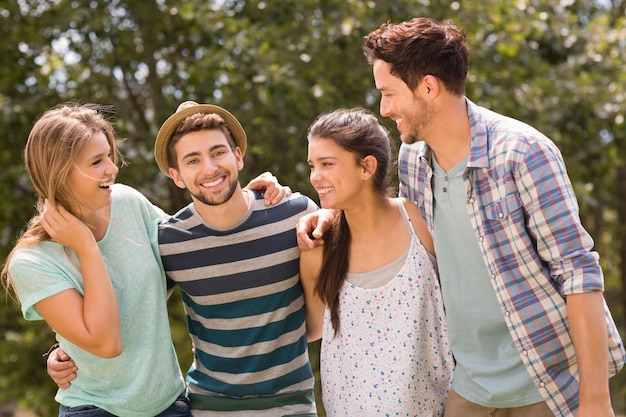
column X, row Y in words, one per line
column 325, row 190
column 212, row 183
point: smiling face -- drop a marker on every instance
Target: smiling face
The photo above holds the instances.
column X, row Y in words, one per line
column 92, row 174
column 336, row 174
column 207, row 166
column 411, row 112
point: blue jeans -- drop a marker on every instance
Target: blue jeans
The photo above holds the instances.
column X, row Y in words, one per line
column 180, row 408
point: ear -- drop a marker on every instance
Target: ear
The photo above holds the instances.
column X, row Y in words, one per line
column 369, row 167
column 177, row 178
column 430, row 86
column 239, row 158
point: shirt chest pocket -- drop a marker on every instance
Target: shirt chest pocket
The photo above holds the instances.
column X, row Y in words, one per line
column 508, row 208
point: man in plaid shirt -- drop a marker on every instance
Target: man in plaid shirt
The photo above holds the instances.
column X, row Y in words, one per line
column 528, row 324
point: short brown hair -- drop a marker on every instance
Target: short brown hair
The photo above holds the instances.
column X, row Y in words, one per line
column 419, row 47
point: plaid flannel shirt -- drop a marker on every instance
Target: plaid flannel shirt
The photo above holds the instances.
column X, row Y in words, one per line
column 524, row 214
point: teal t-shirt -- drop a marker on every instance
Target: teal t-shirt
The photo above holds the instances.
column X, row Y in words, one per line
column 489, row 370
column 145, row 379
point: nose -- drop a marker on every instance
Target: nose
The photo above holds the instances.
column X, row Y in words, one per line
column 113, row 169
column 312, row 177
column 209, row 166
column 385, row 108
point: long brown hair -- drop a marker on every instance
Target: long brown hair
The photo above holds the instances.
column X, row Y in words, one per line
column 52, row 145
column 359, row 132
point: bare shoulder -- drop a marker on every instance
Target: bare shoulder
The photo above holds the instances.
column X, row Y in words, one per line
column 419, row 225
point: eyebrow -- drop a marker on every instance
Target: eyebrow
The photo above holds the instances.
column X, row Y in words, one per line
column 211, row 149
column 100, row 155
column 190, row 154
column 322, row 158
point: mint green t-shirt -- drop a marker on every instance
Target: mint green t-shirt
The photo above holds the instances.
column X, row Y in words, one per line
column 145, row 379
column 489, row 370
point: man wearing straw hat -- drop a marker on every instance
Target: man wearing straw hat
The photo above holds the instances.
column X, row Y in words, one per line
column 236, row 263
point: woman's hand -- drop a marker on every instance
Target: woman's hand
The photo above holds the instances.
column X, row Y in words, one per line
column 272, row 190
column 65, row 228
column 311, row 227
column 61, row 368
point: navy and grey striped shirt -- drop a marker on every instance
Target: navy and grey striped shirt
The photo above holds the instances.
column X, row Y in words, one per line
column 244, row 305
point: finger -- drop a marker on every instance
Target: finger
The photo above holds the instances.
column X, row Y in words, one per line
column 52, row 217
column 62, row 212
column 279, row 193
column 58, row 370
column 57, row 214
column 45, row 223
column 304, row 241
column 61, row 367
column 60, row 353
column 270, row 194
column 58, row 360
column 65, row 382
column 318, row 232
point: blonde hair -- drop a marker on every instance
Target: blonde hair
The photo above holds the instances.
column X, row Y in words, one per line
column 53, row 144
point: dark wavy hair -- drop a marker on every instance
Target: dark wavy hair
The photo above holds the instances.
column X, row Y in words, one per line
column 419, row 47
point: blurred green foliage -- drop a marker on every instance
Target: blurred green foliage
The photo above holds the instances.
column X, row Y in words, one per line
column 556, row 65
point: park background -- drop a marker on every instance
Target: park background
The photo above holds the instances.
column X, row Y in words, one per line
column 557, row 65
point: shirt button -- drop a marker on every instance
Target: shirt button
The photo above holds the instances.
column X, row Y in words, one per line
column 471, row 201
column 501, row 215
column 542, row 384
column 445, row 190
column 481, row 239
column 493, row 276
column 525, row 353
column 507, row 314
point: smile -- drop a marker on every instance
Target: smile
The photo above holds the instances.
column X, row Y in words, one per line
column 213, row 183
column 107, row 185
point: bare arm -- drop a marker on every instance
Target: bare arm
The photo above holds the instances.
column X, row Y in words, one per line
column 586, row 316
column 91, row 321
column 310, row 262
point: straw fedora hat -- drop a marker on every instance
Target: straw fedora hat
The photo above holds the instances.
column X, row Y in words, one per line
column 183, row 111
